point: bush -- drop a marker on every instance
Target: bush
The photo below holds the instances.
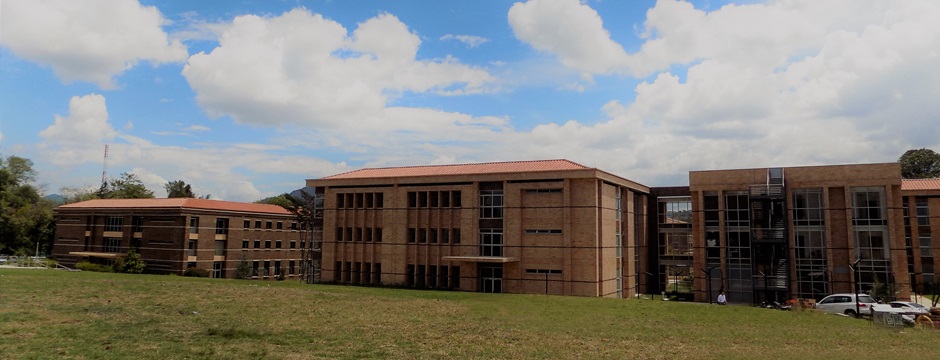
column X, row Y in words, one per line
column 196, row 272
column 243, row 269
column 131, row 263
column 87, row 266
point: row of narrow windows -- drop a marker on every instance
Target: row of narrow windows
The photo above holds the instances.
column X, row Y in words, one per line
column 357, row 272
column 434, row 236
column 432, row 276
column 369, row 200
column 358, row 234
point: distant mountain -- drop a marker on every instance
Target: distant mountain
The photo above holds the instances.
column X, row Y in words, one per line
column 55, row 198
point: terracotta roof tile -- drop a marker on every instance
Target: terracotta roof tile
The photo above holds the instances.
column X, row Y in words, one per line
column 462, row 169
column 188, row 203
column 920, row 184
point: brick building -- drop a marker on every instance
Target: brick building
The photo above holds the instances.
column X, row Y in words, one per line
column 796, row 232
column 552, row 227
column 921, row 208
column 172, row 235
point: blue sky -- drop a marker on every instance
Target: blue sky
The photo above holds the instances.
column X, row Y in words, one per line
column 246, row 99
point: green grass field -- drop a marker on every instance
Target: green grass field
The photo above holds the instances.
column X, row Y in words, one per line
column 48, row 314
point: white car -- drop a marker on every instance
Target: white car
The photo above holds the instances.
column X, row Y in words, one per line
column 909, row 307
column 845, row 304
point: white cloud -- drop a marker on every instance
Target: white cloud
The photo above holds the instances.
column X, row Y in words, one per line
column 470, row 41
column 572, row 31
column 85, row 126
column 91, row 41
column 777, row 84
column 300, row 68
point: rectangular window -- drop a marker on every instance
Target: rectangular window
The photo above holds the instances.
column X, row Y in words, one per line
column 808, row 207
column 491, row 204
column 267, row 268
column 245, row 244
column 543, row 231
column 370, row 200
column 293, row 244
column 191, row 248
column 367, row 236
column 445, row 236
column 255, row 268
column 277, row 268
column 267, row 244
column 220, row 248
column 455, row 199
column 422, row 236
column 359, row 201
column 433, row 199
column 491, row 242
column 737, row 209
column 339, row 234
column 455, row 277
column 340, row 201
column 277, row 244
column 247, row 224
column 290, row 267
column 114, row 223
column 412, row 199
column 221, row 226
column 377, row 273
column 456, row 237
column 257, row 224
column 445, row 199
column 433, row 235
column 710, row 207
column 358, row 234
column 543, row 271
column 338, row 271
column 112, row 245
column 280, row 225
column 868, row 206
column 379, row 200
column 138, row 224
column 268, row 225
column 257, row 244
column 378, row 234
column 348, row 233
column 412, row 235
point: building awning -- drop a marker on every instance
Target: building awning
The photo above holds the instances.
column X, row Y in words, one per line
column 482, row 259
column 93, row 254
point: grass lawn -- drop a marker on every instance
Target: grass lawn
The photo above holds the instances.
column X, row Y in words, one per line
column 49, row 314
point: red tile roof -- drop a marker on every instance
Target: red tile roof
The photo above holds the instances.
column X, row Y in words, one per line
column 920, row 184
column 462, row 169
column 188, row 203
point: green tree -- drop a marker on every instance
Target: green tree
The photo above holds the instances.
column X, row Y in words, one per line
column 243, row 269
column 179, row 189
column 920, row 164
column 131, row 263
column 26, row 218
column 128, row 186
column 283, row 200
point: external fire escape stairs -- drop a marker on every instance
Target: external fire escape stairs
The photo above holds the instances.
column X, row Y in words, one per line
column 769, row 249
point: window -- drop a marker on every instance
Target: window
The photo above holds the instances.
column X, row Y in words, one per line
column 456, row 237
column 675, row 212
column 191, row 248
column 455, row 199
column 339, row 234
column 543, row 191
column 368, row 235
column 737, row 209
column 807, row 207
column 340, row 201
column 293, row 244
column 255, row 268
column 220, row 248
column 280, row 225
column 112, row 245
column 247, row 224
column 277, row 244
column 277, row 268
column 267, row 244
column 245, row 244
column 268, row 225
column 358, row 234
column 379, row 200
column 710, row 207
column 138, row 224
column 491, row 242
column 412, row 235
column 378, row 234
column 267, row 268
column 432, row 235
column 491, row 204
column 290, row 267
column 349, row 233
column 543, row 231
column 257, row 244
column 257, row 224
column 194, row 225
column 221, row 226
column 543, row 271
column 422, row 236
column 868, row 206
column 114, row 223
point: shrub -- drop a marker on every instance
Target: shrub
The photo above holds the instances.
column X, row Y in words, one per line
column 87, row 266
column 196, row 272
column 243, row 269
column 130, row 263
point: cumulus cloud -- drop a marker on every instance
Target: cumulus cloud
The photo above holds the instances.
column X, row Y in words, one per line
column 301, row 68
column 89, row 41
column 777, row 84
column 572, row 31
column 470, row 40
column 227, row 171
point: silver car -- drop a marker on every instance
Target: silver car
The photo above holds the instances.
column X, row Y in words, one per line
column 845, row 304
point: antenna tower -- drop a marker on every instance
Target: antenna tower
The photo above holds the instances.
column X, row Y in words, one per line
column 104, row 169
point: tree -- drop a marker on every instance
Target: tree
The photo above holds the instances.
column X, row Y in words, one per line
column 26, row 218
column 128, row 186
column 284, row 200
column 130, row 264
column 179, row 189
column 920, row 164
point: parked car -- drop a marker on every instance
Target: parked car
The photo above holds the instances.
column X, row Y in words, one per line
column 845, row 304
column 909, row 307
